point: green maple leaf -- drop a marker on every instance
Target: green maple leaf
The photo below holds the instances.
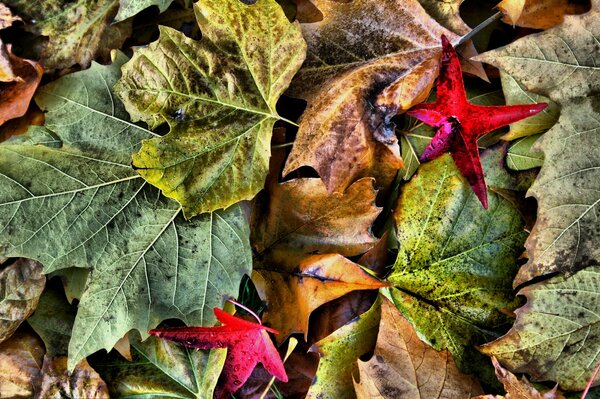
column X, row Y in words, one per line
column 69, row 198
column 218, row 96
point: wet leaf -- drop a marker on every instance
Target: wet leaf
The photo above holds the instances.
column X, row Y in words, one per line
column 218, row 97
column 339, row 354
column 21, row 285
column 556, row 334
column 292, row 297
column 455, row 262
column 78, row 31
column 405, row 367
column 147, row 262
column 129, row 8
column 522, row 155
column 317, row 223
column 20, row 363
column 58, row 383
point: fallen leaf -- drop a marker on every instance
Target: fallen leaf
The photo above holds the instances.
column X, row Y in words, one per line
column 82, row 382
column 459, row 123
column 6, row 17
column 455, row 261
column 6, row 70
column 53, row 321
column 78, row 30
column 339, row 354
column 218, row 97
column 405, row 367
column 21, row 284
column 565, row 236
column 357, row 51
column 522, row 155
column 75, row 176
column 162, row 369
column 247, row 344
column 556, row 334
column 74, row 280
column 516, row 389
column 538, row 14
column 20, row 363
column 317, row 223
column 129, row 8
column 17, row 95
column 292, row 297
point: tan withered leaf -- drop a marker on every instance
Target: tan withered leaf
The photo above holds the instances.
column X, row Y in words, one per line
column 538, row 14
column 301, row 218
column 16, row 95
column 83, row 382
column 516, row 389
column 6, row 17
column 292, row 297
column 405, row 367
column 20, row 363
column 358, row 50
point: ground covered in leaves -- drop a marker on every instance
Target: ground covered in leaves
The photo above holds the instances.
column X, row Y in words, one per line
column 341, row 170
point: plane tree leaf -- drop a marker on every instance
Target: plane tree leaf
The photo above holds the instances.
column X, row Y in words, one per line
column 339, row 353
column 522, row 155
column 556, row 334
column 21, row 285
column 147, row 263
column 78, row 31
column 403, row 366
column 317, row 223
column 565, row 235
column 354, row 87
column 160, row 369
column 452, row 277
column 218, row 96
column 129, row 8
column 291, row 297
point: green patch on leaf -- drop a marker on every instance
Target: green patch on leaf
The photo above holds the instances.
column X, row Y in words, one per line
column 129, row 8
column 522, row 155
column 218, row 97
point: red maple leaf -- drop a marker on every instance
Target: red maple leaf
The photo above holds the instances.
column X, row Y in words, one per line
column 247, row 344
column 459, row 123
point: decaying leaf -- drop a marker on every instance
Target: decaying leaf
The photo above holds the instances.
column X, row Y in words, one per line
column 20, row 362
column 565, row 236
column 147, row 263
column 82, row 382
column 456, row 260
column 6, row 69
column 538, row 14
column 556, row 334
column 21, row 285
column 162, row 369
column 405, row 367
column 522, row 155
column 6, row 17
column 316, row 223
column 78, row 30
column 516, row 389
column 129, row 8
column 218, row 97
column 339, row 354
column 359, row 49
column 292, row 296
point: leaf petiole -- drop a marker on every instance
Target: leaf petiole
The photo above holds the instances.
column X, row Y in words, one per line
column 479, row 28
column 236, row 303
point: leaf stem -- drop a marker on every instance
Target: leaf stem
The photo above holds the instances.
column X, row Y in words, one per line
column 287, row 121
column 236, row 303
column 479, row 28
column 291, row 143
column 591, row 381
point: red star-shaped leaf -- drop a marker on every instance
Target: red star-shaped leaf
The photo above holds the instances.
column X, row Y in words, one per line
column 247, row 344
column 459, row 123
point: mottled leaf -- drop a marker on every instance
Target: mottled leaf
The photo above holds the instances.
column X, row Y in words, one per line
column 339, row 354
column 284, row 234
column 556, row 334
column 292, row 297
column 218, row 97
column 58, row 383
column 538, row 14
column 147, row 263
column 522, row 155
column 21, row 285
column 78, row 30
column 20, row 363
column 129, row 8
column 405, row 367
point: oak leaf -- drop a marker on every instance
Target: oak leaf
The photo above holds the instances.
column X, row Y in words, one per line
column 403, row 366
column 565, row 236
column 247, row 344
column 218, row 97
column 292, row 297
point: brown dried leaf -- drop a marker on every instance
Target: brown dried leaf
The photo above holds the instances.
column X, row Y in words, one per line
column 300, row 219
column 20, row 363
column 6, row 17
column 356, row 51
column 538, row 14
column 58, row 383
column 405, row 367
column 292, row 297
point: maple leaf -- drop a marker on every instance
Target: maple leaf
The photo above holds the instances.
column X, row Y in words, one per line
column 247, row 344
column 459, row 123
